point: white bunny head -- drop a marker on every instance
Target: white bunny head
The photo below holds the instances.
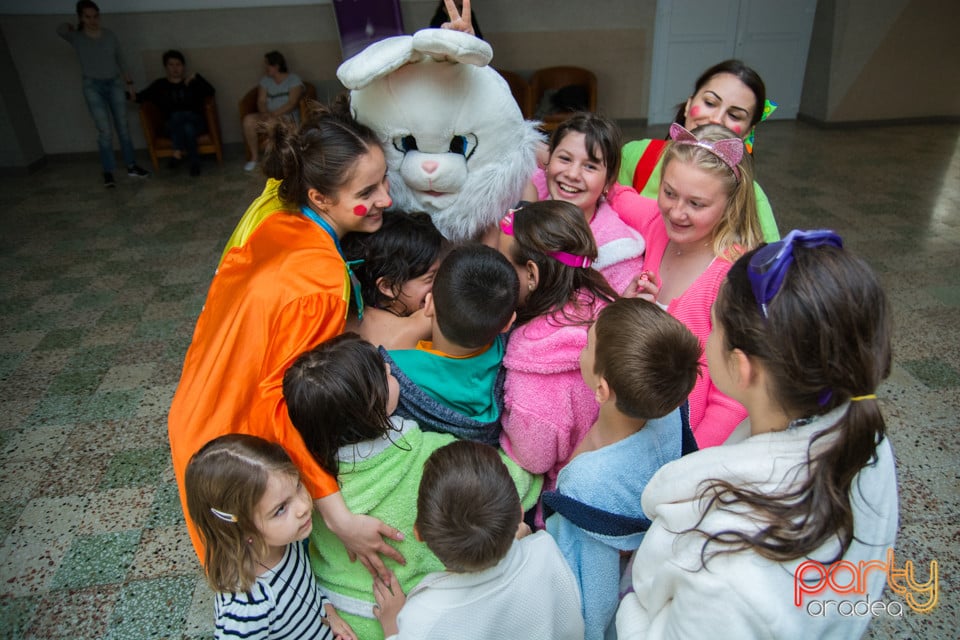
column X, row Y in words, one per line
column 456, row 143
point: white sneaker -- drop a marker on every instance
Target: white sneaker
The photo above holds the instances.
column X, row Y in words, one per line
column 250, row 166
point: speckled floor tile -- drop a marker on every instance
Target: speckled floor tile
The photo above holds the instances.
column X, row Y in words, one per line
column 200, row 615
column 38, row 442
column 164, row 552
column 74, row 613
column 127, row 376
column 152, row 608
column 135, row 467
column 166, row 510
column 97, row 559
column 15, row 615
column 933, row 372
column 116, row 510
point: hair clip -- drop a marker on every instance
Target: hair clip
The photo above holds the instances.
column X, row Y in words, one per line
column 223, row 515
column 769, row 106
column 768, row 266
column 730, row 150
column 569, row 259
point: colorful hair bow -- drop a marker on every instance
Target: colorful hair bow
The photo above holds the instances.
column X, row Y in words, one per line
column 730, row 150
column 768, row 107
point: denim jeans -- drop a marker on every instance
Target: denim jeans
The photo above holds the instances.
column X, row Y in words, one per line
column 184, row 127
column 106, row 97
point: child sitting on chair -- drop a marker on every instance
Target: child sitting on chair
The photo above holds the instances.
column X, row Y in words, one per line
column 641, row 363
column 497, row 583
column 454, row 384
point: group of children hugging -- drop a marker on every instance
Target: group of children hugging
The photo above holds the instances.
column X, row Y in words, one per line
column 522, row 421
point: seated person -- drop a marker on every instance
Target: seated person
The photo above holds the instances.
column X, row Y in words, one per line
column 641, row 363
column 278, row 95
column 396, row 266
column 499, row 582
column 180, row 98
column 454, row 383
column 341, row 399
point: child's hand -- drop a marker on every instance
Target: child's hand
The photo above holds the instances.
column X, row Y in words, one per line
column 643, row 286
column 341, row 630
column 390, row 599
column 523, row 530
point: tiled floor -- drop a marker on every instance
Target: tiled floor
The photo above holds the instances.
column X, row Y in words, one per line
column 99, row 291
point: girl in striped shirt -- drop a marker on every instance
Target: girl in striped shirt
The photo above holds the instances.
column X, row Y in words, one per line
column 252, row 512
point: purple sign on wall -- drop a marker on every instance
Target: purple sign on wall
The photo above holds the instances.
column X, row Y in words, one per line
column 363, row 22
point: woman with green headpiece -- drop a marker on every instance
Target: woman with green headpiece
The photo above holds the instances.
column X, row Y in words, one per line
column 730, row 94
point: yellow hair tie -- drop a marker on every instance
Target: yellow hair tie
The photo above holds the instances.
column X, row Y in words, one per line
column 869, row 396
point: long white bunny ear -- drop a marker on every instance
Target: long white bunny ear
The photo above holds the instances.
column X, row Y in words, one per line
column 379, row 59
column 453, row 46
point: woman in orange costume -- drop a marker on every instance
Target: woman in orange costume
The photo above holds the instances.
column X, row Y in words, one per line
column 281, row 293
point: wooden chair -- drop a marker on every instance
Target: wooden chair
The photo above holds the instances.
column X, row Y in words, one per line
column 161, row 146
column 556, row 78
column 520, row 90
column 248, row 104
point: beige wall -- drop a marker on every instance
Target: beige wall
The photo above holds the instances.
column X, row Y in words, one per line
column 883, row 60
column 869, row 59
column 611, row 37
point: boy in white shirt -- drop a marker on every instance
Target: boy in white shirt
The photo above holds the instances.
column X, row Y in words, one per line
column 499, row 581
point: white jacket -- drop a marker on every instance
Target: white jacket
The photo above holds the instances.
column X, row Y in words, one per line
column 529, row 594
column 743, row 595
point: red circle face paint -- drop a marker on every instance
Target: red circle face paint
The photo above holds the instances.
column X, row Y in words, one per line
column 694, row 111
column 360, row 210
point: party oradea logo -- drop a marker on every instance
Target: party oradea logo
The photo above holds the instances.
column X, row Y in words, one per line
column 846, row 578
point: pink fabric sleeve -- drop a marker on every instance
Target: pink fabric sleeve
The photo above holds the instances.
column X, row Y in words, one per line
column 638, row 212
column 544, row 418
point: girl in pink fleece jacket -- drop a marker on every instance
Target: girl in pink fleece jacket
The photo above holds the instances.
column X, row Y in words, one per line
column 547, row 406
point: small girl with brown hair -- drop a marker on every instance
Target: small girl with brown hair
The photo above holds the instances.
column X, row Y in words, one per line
column 547, row 406
column 801, row 337
column 245, row 496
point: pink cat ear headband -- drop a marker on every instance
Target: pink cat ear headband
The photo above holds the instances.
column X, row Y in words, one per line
column 730, row 150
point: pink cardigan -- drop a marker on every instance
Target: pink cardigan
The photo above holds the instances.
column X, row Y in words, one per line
column 620, row 248
column 713, row 415
column 548, row 408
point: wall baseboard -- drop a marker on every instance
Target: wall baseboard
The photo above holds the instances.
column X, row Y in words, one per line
column 861, row 124
column 23, row 170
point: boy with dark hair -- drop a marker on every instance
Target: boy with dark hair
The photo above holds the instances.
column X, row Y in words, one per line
column 641, row 363
column 499, row 582
column 454, row 383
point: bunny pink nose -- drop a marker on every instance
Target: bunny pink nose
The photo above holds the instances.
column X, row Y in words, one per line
column 429, row 165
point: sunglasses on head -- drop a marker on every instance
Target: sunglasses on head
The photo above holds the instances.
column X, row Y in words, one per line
column 768, row 266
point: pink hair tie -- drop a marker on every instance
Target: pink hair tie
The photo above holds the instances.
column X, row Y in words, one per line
column 569, row 259
column 730, row 150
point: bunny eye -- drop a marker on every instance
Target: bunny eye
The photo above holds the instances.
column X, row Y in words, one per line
column 464, row 145
column 405, row 144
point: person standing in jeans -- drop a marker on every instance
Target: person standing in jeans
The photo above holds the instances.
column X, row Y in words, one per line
column 106, row 85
